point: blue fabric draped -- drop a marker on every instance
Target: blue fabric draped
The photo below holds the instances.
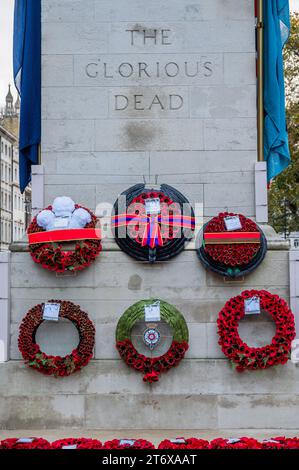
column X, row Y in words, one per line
column 27, row 76
column 276, row 33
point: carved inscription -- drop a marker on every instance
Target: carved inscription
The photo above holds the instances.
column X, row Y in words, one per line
column 143, row 72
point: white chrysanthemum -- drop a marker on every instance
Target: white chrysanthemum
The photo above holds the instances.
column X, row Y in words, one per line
column 80, row 218
column 63, row 206
column 45, row 219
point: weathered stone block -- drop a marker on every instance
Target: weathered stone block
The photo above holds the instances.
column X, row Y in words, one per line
column 75, row 38
column 167, row 134
column 181, row 10
column 223, row 102
column 57, row 70
column 74, row 103
column 230, row 134
column 68, row 135
column 25, row 412
column 153, row 411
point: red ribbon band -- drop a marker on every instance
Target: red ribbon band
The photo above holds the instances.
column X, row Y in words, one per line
column 231, row 237
column 67, row 235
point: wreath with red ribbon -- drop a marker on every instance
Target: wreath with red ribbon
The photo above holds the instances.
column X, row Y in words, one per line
column 56, row 365
column 159, row 235
column 76, row 443
column 232, row 253
column 128, row 444
column 48, row 249
column 239, row 353
column 152, row 367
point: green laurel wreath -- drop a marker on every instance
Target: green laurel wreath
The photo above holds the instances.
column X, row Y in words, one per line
column 169, row 314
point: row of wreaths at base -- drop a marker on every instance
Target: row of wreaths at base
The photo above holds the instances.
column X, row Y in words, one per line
column 280, row 442
column 149, row 225
column 239, row 353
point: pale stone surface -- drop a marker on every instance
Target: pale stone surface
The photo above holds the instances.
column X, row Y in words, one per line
column 74, row 103
column 206, row 395
column 167, row 134
column 208, row 102
column 105, row 294
column 157, row 10
column 136, row 91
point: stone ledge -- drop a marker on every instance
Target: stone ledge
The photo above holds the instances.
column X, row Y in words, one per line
column 275, row 242
column 194, row 377
column 146, row 411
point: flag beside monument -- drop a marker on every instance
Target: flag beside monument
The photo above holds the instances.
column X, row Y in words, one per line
column 276, row 32
column 27, row 75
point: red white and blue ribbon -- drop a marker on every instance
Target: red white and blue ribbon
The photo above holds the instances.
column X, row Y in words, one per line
column 152, row 235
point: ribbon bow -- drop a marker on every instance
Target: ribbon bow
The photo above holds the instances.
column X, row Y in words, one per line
column 152, row 235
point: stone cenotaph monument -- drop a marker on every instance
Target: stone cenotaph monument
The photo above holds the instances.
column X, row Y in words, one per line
column 153, row 92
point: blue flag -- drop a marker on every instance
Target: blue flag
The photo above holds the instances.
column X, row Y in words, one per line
column 27, row 75
column 276, row 33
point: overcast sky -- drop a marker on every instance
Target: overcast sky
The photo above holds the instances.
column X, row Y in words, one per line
column 6, row 26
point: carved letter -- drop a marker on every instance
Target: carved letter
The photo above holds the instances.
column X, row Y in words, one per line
column 165, row 36
column 157, row 101
column 190, row 74
column 118, row 106
column 176, row 71
column 105, row 71
column 90, row 70
column 129, row 66
column 173, row 99
column 132, row 31
column 207, row 66
column 149, row 35
column 143, row 68
column 138, row 101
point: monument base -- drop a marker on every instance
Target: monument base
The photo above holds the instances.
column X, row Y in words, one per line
column 203, row 393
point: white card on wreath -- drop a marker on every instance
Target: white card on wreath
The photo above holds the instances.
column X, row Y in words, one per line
column 70, row 447
column 25, row 440
column 127, row 442
column 61, row 222
column 232, row 223
column 233, row 440
column 152, row 206
column 51, row 312
column 253, row 306
column 152, row 312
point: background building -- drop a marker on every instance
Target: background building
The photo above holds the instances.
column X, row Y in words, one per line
column 14, row 207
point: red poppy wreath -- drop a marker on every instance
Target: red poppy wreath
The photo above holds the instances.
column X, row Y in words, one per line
column 232, row 245
column 76, row 443
column 56, row 365
column 150, row 366
column 239, row 353
column 152, row 225
column 128, row 444
column 182, row 443
column 25, row 443
column 64, row 222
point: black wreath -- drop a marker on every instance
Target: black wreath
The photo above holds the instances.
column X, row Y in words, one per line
column 162, row 253
column 224, row 270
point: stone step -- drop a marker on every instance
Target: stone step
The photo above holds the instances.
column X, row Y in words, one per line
column 199, row 394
